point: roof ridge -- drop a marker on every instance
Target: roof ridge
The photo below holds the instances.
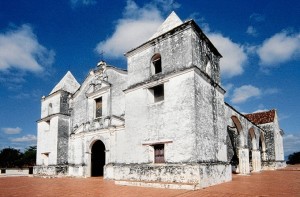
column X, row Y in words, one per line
column 67, row 83
column 171, row 22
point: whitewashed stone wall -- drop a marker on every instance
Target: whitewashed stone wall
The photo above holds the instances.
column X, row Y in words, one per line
column 47, row 142
column 274, row 156
column 169, row 120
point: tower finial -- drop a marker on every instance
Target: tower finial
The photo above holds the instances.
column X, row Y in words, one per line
column 102, row 55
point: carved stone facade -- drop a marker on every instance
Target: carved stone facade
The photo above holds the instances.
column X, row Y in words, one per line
column 162, row 123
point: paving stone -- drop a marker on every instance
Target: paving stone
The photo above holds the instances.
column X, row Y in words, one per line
column 267, row 183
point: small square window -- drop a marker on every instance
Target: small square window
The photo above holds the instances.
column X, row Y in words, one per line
column 45, row 157
column 157, row 93
column 159, row 153
column 98, row 102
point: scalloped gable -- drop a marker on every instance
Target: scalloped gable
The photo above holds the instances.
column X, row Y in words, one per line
column 68, row 83
column 170, row 23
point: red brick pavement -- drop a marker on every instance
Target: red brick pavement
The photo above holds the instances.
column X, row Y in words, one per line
column 268, row 183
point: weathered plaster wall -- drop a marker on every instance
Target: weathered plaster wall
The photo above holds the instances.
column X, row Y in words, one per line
column 278, row 140
column 175, row 51
column 192, row 173
column 55, row 101
column 172, row 119
column 118, row 79
column 202, row 54
column 79, row 109
column 51, row 170
column 64, row 105
column 62, row 140
column 47, row 141
column 209, row 114
column 269, row 140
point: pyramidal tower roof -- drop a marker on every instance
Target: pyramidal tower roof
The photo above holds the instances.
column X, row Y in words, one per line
column 67, row 83
column 170, row 23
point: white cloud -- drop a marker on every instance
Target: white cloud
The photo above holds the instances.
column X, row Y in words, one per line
column 75, row 3
column 271, row 91
column 228, row 87
column 166, row 5
column 9, row 130
column 278, row 49
column 255, row 17
column 26, row 138
column 137, row 26
column 13, row 80
column 291, row 144
column 251, row 31
column 20, row 49
column 244, row 93
column 234, row 55
column 33, row 95
column 259, row 110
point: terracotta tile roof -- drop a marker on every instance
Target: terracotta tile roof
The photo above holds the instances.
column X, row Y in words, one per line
column 262, row 117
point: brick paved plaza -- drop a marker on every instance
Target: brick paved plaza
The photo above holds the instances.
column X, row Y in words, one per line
column 268, row 183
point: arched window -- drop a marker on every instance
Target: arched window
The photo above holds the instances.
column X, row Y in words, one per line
column 208, row 67
column 156, row 64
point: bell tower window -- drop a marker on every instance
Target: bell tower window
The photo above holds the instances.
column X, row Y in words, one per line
column 156, row 64
column 208, row 66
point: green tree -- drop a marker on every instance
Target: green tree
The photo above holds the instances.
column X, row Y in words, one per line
column 10, row 158
column 29, row 156
column 294, row 158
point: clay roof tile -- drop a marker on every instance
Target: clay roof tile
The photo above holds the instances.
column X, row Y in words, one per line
column 262, row 117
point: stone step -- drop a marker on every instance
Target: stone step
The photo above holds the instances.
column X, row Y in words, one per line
column 153, row 184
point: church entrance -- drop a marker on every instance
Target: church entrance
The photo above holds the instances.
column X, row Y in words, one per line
column 97, row 158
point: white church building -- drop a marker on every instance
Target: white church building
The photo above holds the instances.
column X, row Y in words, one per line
column 162, row 122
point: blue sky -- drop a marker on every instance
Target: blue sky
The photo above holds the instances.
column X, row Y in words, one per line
column 41, row 40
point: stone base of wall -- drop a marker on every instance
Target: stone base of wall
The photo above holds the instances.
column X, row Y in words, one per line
column 273, row 165
column 161, row 185
column 16, row 171
column 77, row 171
column 51, row 170
column 180, row 176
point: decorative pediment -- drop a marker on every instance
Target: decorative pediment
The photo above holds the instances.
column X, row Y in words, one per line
column 99, row 82
column 96, row 124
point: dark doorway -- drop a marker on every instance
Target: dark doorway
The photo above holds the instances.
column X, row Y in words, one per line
column 30, row 170
column 97, row 158
column 232, row 150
